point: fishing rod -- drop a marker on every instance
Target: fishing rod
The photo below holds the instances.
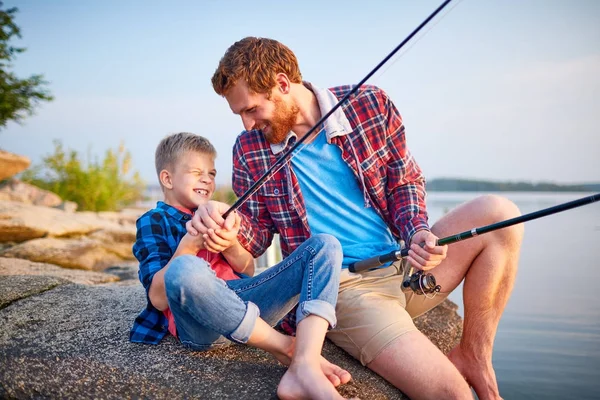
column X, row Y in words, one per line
column 280, row 161
column 377, row 261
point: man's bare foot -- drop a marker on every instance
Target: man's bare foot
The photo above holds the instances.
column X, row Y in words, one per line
column 306, row 381
column 478, row 373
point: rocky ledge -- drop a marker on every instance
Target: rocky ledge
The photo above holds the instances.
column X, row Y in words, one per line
column 69, row 294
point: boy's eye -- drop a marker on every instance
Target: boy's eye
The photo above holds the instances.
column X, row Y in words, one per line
column 251, row 110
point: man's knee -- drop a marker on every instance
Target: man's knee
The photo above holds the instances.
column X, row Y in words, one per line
column 500, row 209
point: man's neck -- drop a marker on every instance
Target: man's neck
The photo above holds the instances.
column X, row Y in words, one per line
column 309, row 112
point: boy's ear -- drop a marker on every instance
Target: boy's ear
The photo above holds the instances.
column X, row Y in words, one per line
column 165, row 179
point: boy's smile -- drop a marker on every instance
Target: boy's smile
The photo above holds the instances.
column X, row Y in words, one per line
column 191, row 180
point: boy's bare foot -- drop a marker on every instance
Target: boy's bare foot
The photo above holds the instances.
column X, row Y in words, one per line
column 306, row 381
column 336, row 375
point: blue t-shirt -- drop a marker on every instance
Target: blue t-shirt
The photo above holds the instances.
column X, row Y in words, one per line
column 335, row 203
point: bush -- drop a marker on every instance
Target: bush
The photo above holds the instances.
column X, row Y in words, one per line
column 96, row 186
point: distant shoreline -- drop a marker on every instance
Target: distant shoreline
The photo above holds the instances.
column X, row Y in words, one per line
column 472, row 185
column 464, row 185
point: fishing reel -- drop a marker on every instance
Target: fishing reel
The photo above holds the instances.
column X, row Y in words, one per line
column 419, row 282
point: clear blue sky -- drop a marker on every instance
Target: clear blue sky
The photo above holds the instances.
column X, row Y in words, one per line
column 496, row 89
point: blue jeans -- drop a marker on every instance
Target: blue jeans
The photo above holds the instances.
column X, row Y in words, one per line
column 210, row 312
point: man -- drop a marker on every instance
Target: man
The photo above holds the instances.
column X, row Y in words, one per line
column 357, row 180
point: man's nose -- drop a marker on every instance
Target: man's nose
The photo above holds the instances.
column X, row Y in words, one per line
column 248, row 122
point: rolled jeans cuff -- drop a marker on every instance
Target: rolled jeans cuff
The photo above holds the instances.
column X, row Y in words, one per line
column 320, row 308
column 242, row 333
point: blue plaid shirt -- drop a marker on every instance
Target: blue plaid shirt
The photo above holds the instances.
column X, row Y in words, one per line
column 159, row 231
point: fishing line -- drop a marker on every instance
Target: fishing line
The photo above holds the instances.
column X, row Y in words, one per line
column 284, row 158
column 417, row 40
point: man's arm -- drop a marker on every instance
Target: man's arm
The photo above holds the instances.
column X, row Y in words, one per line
column 406, row 196
column 221, row 235
column 256, row 228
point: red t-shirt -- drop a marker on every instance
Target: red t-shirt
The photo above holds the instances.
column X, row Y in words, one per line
column 217, row 262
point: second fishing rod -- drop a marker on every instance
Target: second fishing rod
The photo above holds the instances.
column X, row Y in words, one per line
column 425, row 283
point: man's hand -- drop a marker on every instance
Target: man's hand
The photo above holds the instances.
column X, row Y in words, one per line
column 423, row 253
column 218, row 233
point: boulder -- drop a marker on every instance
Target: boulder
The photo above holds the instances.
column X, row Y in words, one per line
column 11, row 164
column 64, row 340
column 16, row 266
column 81, row 253
column 15, row 190
column 20, row 222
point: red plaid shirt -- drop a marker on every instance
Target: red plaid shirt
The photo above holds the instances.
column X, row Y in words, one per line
column 375, row 150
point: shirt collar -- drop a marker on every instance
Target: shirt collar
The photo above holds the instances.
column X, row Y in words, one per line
column 336, row 125
column 175, row 212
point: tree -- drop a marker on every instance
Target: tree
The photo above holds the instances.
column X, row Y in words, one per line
column 18, row 97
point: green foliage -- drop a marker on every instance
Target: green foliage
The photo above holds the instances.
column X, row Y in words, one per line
column 18, row 97
column 97, row 186
column 224, row 194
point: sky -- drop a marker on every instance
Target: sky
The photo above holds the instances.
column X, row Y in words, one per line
column 491, row 89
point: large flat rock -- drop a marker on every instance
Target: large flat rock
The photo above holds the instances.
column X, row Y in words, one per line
column 71, row 342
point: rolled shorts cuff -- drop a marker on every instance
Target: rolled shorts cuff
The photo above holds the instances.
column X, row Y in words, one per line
column 242, row 333
column 320, row 308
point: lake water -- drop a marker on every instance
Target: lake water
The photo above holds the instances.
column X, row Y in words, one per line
column 548, row 341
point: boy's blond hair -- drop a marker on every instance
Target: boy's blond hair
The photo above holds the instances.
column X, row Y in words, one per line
column 172, row 147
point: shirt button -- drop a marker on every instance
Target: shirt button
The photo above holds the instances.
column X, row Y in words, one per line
column 276, row 191
column 186, row 217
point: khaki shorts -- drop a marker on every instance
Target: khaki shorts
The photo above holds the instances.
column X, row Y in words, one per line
column 372, row 311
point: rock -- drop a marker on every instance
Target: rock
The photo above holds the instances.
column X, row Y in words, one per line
column 13, row 288
column 68, row 206
column 72, row 342
column 118, row 240
column 15, row 190
column 81, row 253
column 11, row 164
column 16, row 266
column 20, row 222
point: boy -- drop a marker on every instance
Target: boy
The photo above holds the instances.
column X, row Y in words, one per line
column 199, row 296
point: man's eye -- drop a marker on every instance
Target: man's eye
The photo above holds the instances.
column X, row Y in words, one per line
column 251, row 110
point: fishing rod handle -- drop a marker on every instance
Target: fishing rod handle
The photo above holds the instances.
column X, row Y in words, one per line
column 377, row 261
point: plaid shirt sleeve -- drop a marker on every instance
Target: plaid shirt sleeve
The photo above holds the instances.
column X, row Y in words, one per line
column 256, row 229
column 153, row 253
column 405, row 184
column 151, row 248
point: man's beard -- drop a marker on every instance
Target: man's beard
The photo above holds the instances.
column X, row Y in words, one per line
column 284, row 119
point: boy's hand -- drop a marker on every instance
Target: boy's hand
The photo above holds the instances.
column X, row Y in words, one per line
column 218, row 233
column 220, row 239
column 190, row 244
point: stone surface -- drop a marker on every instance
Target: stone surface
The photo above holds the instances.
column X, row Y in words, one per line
column 11, row 164
column 13, row 288
column 15, row 190
column 16, row 266
column 82, row 253
column 72, row 342
column 20, row 222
